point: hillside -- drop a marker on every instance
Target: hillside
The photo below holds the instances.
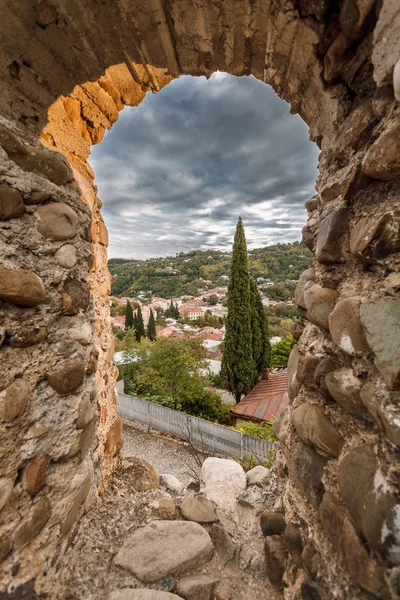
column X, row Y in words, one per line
column 186, row 273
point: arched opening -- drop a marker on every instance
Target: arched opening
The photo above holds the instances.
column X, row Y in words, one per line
column 67, row 72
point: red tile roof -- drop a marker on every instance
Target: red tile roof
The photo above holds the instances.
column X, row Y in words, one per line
column 268, row 398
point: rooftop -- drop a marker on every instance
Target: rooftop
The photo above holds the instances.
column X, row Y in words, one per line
column 268, row 398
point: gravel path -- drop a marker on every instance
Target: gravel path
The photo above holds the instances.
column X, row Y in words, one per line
column 164, row 454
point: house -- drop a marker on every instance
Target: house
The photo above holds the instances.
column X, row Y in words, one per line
column 267, row 399
column 118, row 321
column 213, row 348
column 160, row 303
column 191, row 312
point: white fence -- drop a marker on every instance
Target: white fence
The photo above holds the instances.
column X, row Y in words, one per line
column 204, row 434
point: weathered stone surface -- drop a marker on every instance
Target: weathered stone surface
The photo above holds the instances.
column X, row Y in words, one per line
column 306, row 369
column 333, row 238
column 66, row 256
column 314, row 427
column 325, row 366
column 382, row 161
column 307, row 237
column 5, row 546
column 33, row 475
column 292, row 382
column 198, row 508
column 332, row 516
column 296, row 329
column 163, row 508
column 11, row 202
column 25, row 337
column 344, row 387
column 21, row 287
column 222, row 482
column 305, row 277
column 223, row 543
column 165, row 548
column 82, row 334
column 86, row 437
column 43, row 162
column 370, row 501
column 85, row 412
column 33, row 524
column 356, row 129
column 78, row 499
column 13, row 400
column 75, row 296
column 259, row 475
column 198, row 587
column 142, row 594
column 140, row 474
column 6, row 486
column 346, row 329
column 272, row 523
column 353, row 17
column 334, row 59
column 294, row 543
column 114, row 439
column 171, row 483
column 305, row 470
column 387, row 418
column 375, row 237
column 312, row 204
column 37, row 197
column 57, row 221
column 381, row 322
column 275, row 558
column 69, row 377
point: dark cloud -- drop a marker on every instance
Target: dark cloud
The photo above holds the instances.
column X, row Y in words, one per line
column 176, row 172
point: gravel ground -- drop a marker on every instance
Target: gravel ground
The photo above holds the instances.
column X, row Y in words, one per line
column 163, row 453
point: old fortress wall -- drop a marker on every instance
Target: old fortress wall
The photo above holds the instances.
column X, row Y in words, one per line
column 67, row 69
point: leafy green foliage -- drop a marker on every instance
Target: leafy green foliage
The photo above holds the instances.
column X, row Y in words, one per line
column 213, row 300
column 129, row 320
column 172, row 311
column 280, row 351
column 139, row 325
column 259, row 328
column 263, row 431
column 151, row 327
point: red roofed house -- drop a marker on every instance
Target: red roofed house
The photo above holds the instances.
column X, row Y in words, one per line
column 191, row 312
column 267, row 399
column 118, row 321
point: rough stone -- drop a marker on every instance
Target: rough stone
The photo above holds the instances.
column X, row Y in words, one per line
column 374, row 237
column 198, row 587
column 75, row 505
column 66, row 256
column 21, row 287
column 86, row 436
column 85, row 412
column 114, row 439
column 306, row 369
column 198, row 508
column 11, row 203
column 70, row 376
column 75, row 296
column 6, row 487
column 259, row 475
column 380, row 318
column 333, row 238
column 33, row 475
column 57, row 221
column 5, row 546
column 294, row 543
column 356, row 129
column 325, row 366
column 272, row 523
column 382, row 160
column 307, row 237
column 346, row 329
column 165, row 548
column 332, row 516
column 312, row 204
column 142, row 594
column 25, row 337
column 370, row 501
column 344, row 387
column 275, row 558
column 334, row 59
column 305, row 277
column 296, row 329
column 319, row 302
column 224, row 545
column 353, row 17
column 314, row 427
column 140, row 474
column 222, row 482
column 305, row 470
column 387, row 418
column 13, row 400
column 33, row 524
column 163, row 508
column 292, row 382
column 82, row 334
column 37, row 197
column 171, row 483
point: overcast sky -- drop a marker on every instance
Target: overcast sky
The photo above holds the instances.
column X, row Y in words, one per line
column 175, row 173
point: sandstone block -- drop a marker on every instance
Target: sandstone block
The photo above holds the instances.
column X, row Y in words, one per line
column 199, row 587
column 356, row 129
column 6, row 487
column 114, row 439
column 314, row 427
column 163, row 508
column 319, row 302
column 381, row 322
column 68, row 377
column 382, row 161
column 5, row 547
column 222, row 482
column 306, row 369
column 344, row 387
column 307, row 276
column 293, row 383
column 294, row 543
column 272, row 523
column 312, row 204
column 332, row 240
column 275, row 558
column 21, row 287
column 346, row 329
column 375, row 237
column 75, row 296
column 171, row 483
column 33, row 475
column 66, row 256
column 353, row 17
column 57, row 221
column 13, row 400
column 33, row 524
column 11, row 203
column 142, row 594
column 388, row 418
column 305, row 469
column 165, row 548
column 198, row 508
column 325, row 366
column 259, row 475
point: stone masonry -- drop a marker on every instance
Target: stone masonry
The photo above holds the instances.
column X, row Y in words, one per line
column 67, row 69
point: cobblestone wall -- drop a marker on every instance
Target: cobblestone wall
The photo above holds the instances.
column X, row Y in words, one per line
column 66, row 71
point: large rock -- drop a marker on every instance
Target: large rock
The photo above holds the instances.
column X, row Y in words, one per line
column 325, row 366
column 11, row 203
column 165, row 548
column 57, row 221
column 333, row 238
column 332, row 516
column 275, row 558
column 382, row 160
column 374, row 237
column 140, row 474
column 353, row 17
column 21, row 287
column 75, row 296
column 197, row 587
column 13, row 400
column 346, row 329
column 305, row 469
column 142, row 594
column 272, row 523
column 224, row 545
column 306, row 369
column 292, row 382
column 68, row 377
column 33, row 524
column 259, row 475
column 319, row 302
column 371, row 501
column 388, row 418
column 294, row 543
column 355, row 131
column 314, row 427
column 198, row 508
column 222, row 482
column 306, row 276
column 344, row 387
column 381, row 321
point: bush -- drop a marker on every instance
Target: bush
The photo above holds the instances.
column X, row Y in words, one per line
column 263, row 431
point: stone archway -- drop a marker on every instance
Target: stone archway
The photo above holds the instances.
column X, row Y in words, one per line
column 67, row 71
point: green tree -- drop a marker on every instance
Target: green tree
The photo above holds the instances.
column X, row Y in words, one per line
column 129, row 321
column 139, row 325
column 151, row 327
column 259, row 329
column 238, row 367
column 281, row 350
column 213, row 300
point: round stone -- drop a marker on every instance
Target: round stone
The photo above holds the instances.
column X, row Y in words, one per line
column 21, row 287
column 345, row 327
column 69, row 377
column 319, row 302
column 13, row 400
column 57, row 221
column 66, row 256
column 11, row 202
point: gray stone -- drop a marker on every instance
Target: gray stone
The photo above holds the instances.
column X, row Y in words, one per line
column 332, row 516
column 346, row 329
column 272, row 523
column 344, row 387
column 275, row 558
column 171, row 483
column 224, row 545
column 198, row 508
column 82, row 334
column 259, row 475
column 333, row 238
column 33, row 524
column 305, row 470
column 353, row 17
column 13, row 400
column 371, row 501
column 27, row 336
column 305, row 277
column 223, row 481
column 373, row 238
column 142, row 594
column 6, row 487
column 296, row 329
column 388, row 418
column 325, row 366
column 21, row 287
column 57, row 221
column 197, row 587
column 165, row 548
column 294, row 543
column 69, row 377
column 381, row 321
column 37, row 197
column 163, row 508
column 319, row 302
column 11, row 203
column 292, row 382
column 314, row 427
column 85, row 412
column 306, row 368
column 307, row 237
column 75, row 296
column 382, row 160
column 66, row 256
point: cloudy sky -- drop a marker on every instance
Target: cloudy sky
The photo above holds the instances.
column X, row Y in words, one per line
column 175, row 173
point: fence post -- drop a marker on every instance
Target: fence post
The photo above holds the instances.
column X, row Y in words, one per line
column 148, row 418
column 241, row 446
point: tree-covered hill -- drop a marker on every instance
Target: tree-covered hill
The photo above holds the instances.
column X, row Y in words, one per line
column 186, row 273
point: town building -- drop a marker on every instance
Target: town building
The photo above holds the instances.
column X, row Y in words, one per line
column 191, row 312
column 267, row 399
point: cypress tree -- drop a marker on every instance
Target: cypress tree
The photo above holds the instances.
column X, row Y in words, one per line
column 151, row 327
column 238, row 368
column 259, row 327
column 139, row 325
column 128, row 316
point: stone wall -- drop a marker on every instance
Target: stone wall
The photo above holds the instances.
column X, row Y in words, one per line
column 66, row 70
